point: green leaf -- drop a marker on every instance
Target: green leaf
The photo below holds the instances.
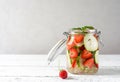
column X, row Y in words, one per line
column 76, row 47
column 78, row 62
column 93, row 52
column 87, row 27
column 84, row 28
column 70, row 60
column 68, row 51
column 78, row 28
column 79, row 52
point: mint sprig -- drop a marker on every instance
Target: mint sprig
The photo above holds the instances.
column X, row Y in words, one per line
column 84, row 28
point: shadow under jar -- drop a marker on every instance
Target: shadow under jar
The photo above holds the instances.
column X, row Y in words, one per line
column 82, row 51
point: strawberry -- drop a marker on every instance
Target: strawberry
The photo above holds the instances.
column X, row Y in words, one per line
column 73, row 63
column 73, row 53
column 70, row 43
column 63, row 74
column 86, row 54
column 97, row 66
column 89, row 63
column 78, row 38
column 82, row 48
column 69, row 46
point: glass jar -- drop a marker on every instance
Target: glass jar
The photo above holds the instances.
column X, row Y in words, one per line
column 82, row 51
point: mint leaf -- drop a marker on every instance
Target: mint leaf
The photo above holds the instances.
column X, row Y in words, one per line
column 78, row 62
column 78, row 28
column 93, row 52
column 76, row 47
column 84, row 28
column 68, row 51
column 87, row 27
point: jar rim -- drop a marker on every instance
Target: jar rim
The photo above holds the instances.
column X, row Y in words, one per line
column 78, row 31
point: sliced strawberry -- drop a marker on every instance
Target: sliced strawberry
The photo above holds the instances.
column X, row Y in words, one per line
column 89, row 63
column 74, row 63
column 78, row 38
column 70, row 46
column 97, row 66
column 86, row 54
column 82, row 48
column 73, row 53
column 70, row 43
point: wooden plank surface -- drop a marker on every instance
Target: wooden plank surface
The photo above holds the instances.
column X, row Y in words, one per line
column 41, row 60
column 34, row 68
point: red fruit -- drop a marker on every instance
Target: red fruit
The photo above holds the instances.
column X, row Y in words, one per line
column 63, row 74
column 73, row 63
column 95, row 35
column 78, row 38
column 73, row 53
column 97, row 66
column 82, row 48
column 89, row 63
column 69, row 46
column 86, row 54
column 70, row 43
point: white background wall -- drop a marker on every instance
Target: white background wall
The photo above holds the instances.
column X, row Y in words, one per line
column 34, row 26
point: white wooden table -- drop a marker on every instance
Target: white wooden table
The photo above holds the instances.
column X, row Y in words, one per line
column 34, row 68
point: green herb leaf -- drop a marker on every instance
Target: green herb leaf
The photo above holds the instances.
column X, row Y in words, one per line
column 83, row 29
column 78, row 62
column 93, row 52
column 76, row 47
column 70, row 60
column 78, row 28
column 68, row 51
column 87, row 27
column 79, row 52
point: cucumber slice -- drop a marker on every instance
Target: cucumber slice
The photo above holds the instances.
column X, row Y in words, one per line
column 90, row 42
column 96, row 57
